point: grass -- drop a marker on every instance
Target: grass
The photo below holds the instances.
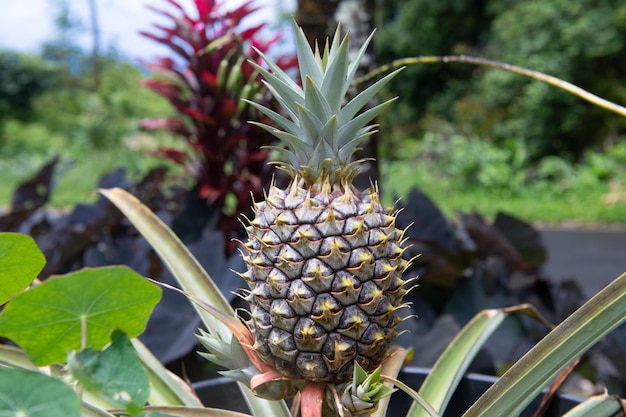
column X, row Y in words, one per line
column 541, row 203
column 80, row 167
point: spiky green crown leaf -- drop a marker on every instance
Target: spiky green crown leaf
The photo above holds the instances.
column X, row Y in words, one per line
column 321, row 134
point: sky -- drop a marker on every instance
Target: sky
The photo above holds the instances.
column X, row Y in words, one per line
column 24, row 25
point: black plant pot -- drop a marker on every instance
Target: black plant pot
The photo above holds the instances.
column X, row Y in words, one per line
column 224, row 393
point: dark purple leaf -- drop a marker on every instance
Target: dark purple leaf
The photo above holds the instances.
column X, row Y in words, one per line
column 525, row 238
column 491, row 242
column 35, row 192
column 425, row 222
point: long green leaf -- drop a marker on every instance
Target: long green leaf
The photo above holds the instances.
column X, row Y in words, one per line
column 440, row 384
column 195, row 412
column 391, row 368
column 428, row 409
column 15, row 357
column 597, row 406
column 576, row 334
column 184, row 266
column 166, row 388
column 192, row 278
column 447, row 372
column 88, row 410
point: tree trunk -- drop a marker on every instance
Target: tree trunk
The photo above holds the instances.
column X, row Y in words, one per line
column 96, row 65
column 317, row 19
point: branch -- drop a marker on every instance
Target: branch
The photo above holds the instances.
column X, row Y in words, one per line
column 464, row 59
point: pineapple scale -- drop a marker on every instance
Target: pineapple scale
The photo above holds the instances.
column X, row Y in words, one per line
column 324, row 269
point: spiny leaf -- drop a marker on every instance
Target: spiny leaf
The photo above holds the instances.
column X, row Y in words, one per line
column 335, row 77
column 306, row 58
column 358, row 102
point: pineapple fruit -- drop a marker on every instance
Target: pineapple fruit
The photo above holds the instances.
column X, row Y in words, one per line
column 324, row 259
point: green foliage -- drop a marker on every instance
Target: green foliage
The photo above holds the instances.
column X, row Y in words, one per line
column 22, row 78
column 78, row 310
column 115, row 372
column 20, row 262
column 580, row 43
column 468, row 173
column 32, row 394
column 101, row 118
column 94, row 131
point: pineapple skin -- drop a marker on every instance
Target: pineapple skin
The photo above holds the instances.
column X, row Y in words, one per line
column 324, row 271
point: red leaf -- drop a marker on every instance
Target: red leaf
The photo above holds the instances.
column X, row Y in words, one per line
column 175, row 155
column 240, row 12
column 205, row 7
column 312, row 399
column 171, row 124
column 209, row 78
column 265, row 45
column 165, row 88
column 169, row 43
column 267, row 376
column 177, row 5
column 198, row 115
column 248, row 34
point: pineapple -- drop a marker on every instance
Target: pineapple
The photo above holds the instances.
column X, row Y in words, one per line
column 324, row 259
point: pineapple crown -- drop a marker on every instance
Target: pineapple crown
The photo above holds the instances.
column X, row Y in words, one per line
column 321, row 133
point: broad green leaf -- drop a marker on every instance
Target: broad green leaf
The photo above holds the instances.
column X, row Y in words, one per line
column 575, row 335
column 77, row 311
column 31, row 394
column 20, row 262
column 192, row 278
column 114, row 372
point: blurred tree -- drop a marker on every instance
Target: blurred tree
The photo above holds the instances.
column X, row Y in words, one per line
column 22, row 78
column 63, row 48
column 317, row 18
column 96, row 64
column 582, row 43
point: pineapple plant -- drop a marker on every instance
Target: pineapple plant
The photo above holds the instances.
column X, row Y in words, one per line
column 324, row 259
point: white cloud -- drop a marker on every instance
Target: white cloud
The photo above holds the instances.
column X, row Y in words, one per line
column 25, row 25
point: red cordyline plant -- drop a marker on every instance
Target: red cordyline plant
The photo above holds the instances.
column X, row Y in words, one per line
column 205, row 83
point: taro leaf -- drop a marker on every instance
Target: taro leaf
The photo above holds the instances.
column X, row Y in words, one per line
column 32, row 394
column 491, row 242
column 48, row 321
column 440, row 263
column 428, row 224
column 28, row 197
column 35, row 192
column 115, row 372
column 171, row 331
column 526, row 239
column 20, row 262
